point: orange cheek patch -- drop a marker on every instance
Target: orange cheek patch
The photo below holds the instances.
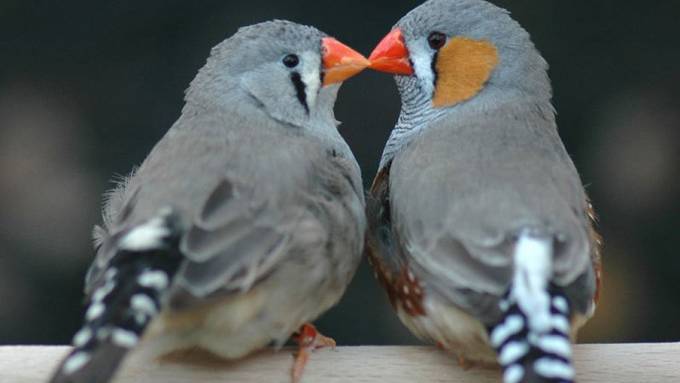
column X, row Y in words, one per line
column 463, row 67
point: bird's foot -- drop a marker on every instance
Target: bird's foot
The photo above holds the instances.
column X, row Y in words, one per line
column 308, row 340
column 464, row 363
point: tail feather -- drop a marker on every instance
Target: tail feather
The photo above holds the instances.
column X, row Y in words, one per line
column 532, row 340
column 123, row 303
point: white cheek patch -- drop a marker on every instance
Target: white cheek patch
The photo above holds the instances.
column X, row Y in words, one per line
column 311, row 77
column 421, row 58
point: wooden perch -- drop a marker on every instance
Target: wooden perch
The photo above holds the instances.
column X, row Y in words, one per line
column 616, row 363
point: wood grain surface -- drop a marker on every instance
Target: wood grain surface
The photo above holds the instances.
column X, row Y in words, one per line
column 617, row 363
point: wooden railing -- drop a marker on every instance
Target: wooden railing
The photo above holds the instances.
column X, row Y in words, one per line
column 615, row 363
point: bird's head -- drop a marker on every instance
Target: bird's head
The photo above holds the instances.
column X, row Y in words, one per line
column 450, row 51
column 291, row 71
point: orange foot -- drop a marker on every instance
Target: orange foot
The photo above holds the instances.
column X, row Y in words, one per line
column 464, row 363
column 308, row 339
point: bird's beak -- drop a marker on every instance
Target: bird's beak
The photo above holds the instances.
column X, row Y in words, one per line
column 391, row 55
column 340, row 62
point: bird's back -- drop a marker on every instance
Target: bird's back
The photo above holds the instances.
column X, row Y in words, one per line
column 225, row 166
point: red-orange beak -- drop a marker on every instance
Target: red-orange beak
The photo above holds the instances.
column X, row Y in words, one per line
column 340, row 62
column 391, row 55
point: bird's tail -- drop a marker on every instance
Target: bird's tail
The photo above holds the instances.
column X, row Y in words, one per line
column 532, row 340
column 123, row 302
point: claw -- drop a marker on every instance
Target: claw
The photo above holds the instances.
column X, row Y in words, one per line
column 308, row 339
column 464, row 363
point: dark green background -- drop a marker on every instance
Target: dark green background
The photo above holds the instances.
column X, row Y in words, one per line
column 86, row 88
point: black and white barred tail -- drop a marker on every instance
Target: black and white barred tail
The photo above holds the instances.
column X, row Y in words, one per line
column 529, row 356
column 125, row 300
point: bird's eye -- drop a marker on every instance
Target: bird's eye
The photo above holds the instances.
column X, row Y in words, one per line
column 436, row 40
column 291, row 61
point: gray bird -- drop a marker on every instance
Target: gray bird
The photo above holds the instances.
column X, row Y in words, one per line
column 479, row 225
column 245, row 221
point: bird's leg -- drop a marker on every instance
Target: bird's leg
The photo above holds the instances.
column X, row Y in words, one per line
column 464, row 363
column 308, row 340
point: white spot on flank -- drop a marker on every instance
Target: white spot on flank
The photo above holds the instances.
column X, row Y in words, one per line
column 513, row 374
column 406, row 290
column 124, row 338
column 145, row 237
column 154, row 279
column 143, row 304
column 75, row 362
column 556, row 345
column 511, row 326
column 533, row 270
column 95, row 310
column 561, row 304
column 82, row 337
column 552, row 368
column 512, row 352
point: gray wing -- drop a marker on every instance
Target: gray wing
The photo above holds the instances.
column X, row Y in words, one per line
column 239, row 239
column 244, row 210
column 460, row 194
column 235, row 240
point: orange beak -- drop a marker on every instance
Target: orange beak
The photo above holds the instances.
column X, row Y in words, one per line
column 340, row 62
column 391, row 55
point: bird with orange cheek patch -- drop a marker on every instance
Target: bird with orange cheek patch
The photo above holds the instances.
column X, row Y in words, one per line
column 479, row 226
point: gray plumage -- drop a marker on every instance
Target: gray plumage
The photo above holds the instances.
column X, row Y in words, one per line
column 245, row 162
column 266, row 198
column 522, row 74
column 458, row 185
column 489, row 178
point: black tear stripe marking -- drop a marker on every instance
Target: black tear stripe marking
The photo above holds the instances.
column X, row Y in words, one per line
column 526, row 362
column 300, row 90
column 435, row 57
column 125, row 300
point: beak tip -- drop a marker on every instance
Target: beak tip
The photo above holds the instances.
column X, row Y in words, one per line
column 391, row 55
column 341, row 62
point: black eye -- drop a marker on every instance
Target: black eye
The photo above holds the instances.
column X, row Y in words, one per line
column 291, row 61
column 436, row 40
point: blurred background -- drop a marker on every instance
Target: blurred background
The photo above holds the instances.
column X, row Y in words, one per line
column 87, row 88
